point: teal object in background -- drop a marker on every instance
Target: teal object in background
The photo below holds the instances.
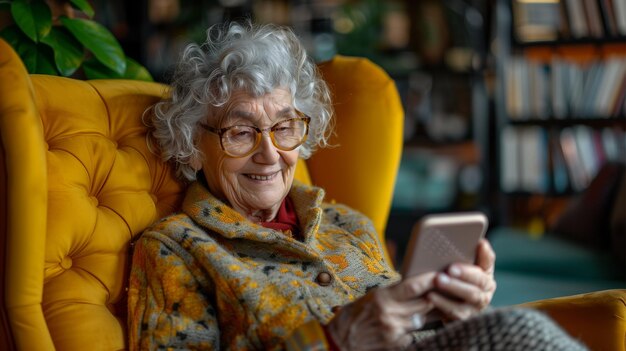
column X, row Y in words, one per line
column 529, row 269
column 425, row 182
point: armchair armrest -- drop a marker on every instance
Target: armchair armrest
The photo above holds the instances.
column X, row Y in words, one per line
column 598, row 319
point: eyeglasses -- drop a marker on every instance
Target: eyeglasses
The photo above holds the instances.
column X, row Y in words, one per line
column 242, row 140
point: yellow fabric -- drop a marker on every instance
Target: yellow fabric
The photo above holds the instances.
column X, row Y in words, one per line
column 361, row 172
column 24, row 173
column 80, row 183
column 598, row 319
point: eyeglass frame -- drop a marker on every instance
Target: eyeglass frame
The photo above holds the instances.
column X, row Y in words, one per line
column 259, row 132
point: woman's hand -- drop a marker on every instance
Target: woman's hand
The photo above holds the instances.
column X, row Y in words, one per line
column 466, row 289
column 384, row 317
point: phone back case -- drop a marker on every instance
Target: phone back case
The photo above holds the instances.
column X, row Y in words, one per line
column 440, row 240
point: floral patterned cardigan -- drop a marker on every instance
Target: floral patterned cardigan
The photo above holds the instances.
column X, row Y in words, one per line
column 208, row 278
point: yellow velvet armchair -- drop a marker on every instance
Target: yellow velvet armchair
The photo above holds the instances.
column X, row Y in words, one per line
column 78, row 183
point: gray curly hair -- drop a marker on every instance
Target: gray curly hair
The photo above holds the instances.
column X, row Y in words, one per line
column 235, row 57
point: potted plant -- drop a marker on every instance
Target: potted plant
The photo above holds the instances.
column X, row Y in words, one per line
column 60, row 37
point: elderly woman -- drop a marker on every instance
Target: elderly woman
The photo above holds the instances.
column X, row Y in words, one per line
column 258, row 261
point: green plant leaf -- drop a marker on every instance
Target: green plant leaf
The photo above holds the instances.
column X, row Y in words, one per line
column 34, row 18
column 68, row 52
column 97, row 39
column 45, row 61
column 36, row 58
column 136, row 71
column 28, row 53
column 13, row 35
column 84, row 6
column 96, row 70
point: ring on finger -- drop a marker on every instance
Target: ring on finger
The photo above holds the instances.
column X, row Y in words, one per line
column 417, row 321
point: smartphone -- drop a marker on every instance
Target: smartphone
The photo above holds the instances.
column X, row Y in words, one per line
column 439, row 240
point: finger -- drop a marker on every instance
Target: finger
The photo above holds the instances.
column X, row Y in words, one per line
column 375, row 340
column 464, row 291
column 412, row 287
column 485, row 256
column 394, row 312
column 451, row 308
column 407, row 308
column 387, row 330
column 473, row 275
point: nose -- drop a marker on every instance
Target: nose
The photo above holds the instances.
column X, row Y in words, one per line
column 266, row 152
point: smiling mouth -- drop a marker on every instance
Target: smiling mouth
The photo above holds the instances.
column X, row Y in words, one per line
column 261, row 177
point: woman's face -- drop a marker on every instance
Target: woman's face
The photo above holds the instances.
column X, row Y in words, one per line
column 254, row 185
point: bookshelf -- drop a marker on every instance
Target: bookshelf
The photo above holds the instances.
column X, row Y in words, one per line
column 560, row 103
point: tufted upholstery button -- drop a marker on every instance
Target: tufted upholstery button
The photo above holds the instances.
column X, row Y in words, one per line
column 94, row 201
column 324, row 279
column 66, row 262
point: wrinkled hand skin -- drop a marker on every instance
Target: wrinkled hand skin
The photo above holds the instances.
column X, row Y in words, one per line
column 464, row 290
column 381, row 320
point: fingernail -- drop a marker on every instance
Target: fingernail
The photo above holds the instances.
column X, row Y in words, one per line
column 454, row 271
column 444, row 279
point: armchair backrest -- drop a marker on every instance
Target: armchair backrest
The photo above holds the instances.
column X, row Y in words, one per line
column 77, row 183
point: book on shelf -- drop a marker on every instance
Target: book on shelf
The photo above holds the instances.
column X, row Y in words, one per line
column 617, row 105
column 537, row 20
column 574, row 88
column 613, row 84
column 533, row 159
column 558, row 97
column 592, row 76
column 563, row 89
column 608, row 17
column 600, row 153
column 614, row 144
column 575, row 12
column 576, row 171
column 538, row 160
column 523, row 160
column 560, row 179
column 539, row 93
column 619, row 9
column 594, row 19
column 587, row 151
column 509, row 169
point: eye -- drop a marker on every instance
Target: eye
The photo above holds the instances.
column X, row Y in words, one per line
column 240, row 133
column 283, row 127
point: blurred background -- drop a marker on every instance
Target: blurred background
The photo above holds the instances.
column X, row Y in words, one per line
column 516, row 108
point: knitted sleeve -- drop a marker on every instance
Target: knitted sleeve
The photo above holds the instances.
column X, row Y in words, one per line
column 168, row 307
